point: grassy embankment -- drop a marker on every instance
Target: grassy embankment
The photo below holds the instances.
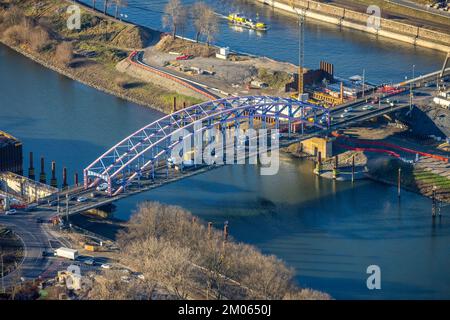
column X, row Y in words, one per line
column 413, row 178
column 89, row 55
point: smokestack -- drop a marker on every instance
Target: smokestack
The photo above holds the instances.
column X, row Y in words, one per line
column 53, row 182
column 76, row 179
column 174, row 104
column 64, row 184
column 42, row 176
column 341, row 95
column 31, row 174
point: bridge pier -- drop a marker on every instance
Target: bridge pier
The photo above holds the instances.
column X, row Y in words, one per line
column 42, row 176
column 31, row 174
column 336, row 167
column 64, row 184
column 53, row 181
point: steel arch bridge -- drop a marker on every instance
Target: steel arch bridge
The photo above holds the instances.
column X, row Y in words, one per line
column 144, row 148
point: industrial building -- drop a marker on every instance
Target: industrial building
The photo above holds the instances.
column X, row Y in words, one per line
column 11, row 157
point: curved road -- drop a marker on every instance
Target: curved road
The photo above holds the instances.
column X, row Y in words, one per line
column 35, row 240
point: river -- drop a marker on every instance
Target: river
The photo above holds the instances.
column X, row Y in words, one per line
column 384, row 60
column 328, row 232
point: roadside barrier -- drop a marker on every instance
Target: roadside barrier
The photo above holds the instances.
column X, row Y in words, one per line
column 390, row 145
column 131, row 59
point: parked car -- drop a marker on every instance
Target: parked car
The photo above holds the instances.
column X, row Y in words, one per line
column 10, row 212
column 184, row 57
column 106, row 266
column 81, row 199
column 89, row 262
column 368, row 107
column 102, row 187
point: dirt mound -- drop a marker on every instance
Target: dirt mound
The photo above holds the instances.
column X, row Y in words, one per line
column 133, row 37
column 168, row 44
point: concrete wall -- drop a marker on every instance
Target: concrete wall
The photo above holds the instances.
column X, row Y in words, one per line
column 24, row 188
column 403, row 28
column 358, row 21
column 317, row 144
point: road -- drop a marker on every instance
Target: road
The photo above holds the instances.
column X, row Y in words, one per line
column 421, row 7
column 199, row 87
column 35, row 240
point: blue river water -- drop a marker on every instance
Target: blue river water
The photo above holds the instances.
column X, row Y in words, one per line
column 328, row 232
column 351, row 51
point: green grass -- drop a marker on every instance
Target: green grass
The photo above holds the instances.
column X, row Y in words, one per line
column 426, row 177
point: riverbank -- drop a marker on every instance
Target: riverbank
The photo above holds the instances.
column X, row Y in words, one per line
column 418, row 173
column 340, row 15
column 91, row 53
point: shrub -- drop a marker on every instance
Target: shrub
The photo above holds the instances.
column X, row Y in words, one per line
column 16, row 35
column 39, row 39
column 64, row 53
column 12, row 17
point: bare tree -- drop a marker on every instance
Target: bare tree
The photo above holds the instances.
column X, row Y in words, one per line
column 119, row 3
column 198, row 10
column 64, row 53
column 113, row 285
column 205, row 21
column 174, row 249
column 105, row 6
column 175, row 16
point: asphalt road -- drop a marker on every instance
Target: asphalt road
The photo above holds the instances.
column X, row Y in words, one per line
column 35, row 240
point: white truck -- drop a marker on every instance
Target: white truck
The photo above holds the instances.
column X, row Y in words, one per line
column 68, row 253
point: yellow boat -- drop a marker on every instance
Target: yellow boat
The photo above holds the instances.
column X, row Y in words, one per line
column 239, row 20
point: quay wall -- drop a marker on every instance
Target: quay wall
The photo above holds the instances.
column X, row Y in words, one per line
column 356, row 20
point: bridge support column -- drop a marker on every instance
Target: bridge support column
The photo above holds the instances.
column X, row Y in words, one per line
column 75, row 179
column 42, row 175
column 53, row 181
column 336, row 167
column 153, row 171
column 318, row 169
column 85, row 179
column 64, row 184
column 110, row 187
column 31, row 174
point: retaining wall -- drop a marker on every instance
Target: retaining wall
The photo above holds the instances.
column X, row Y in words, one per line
column 358, row 21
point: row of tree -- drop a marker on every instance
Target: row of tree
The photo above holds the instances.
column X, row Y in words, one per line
column 180, row 256
column 107, row 3
column 176, row 17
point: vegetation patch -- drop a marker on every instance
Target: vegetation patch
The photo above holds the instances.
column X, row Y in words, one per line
column 90, row 54
column 180, row 255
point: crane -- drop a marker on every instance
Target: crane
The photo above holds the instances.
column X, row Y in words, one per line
column 301, row 47
column 301, row 53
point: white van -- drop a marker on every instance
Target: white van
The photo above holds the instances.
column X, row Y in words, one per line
column 102, row 187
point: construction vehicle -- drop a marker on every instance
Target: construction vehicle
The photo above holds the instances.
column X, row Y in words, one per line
column 242, row 21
